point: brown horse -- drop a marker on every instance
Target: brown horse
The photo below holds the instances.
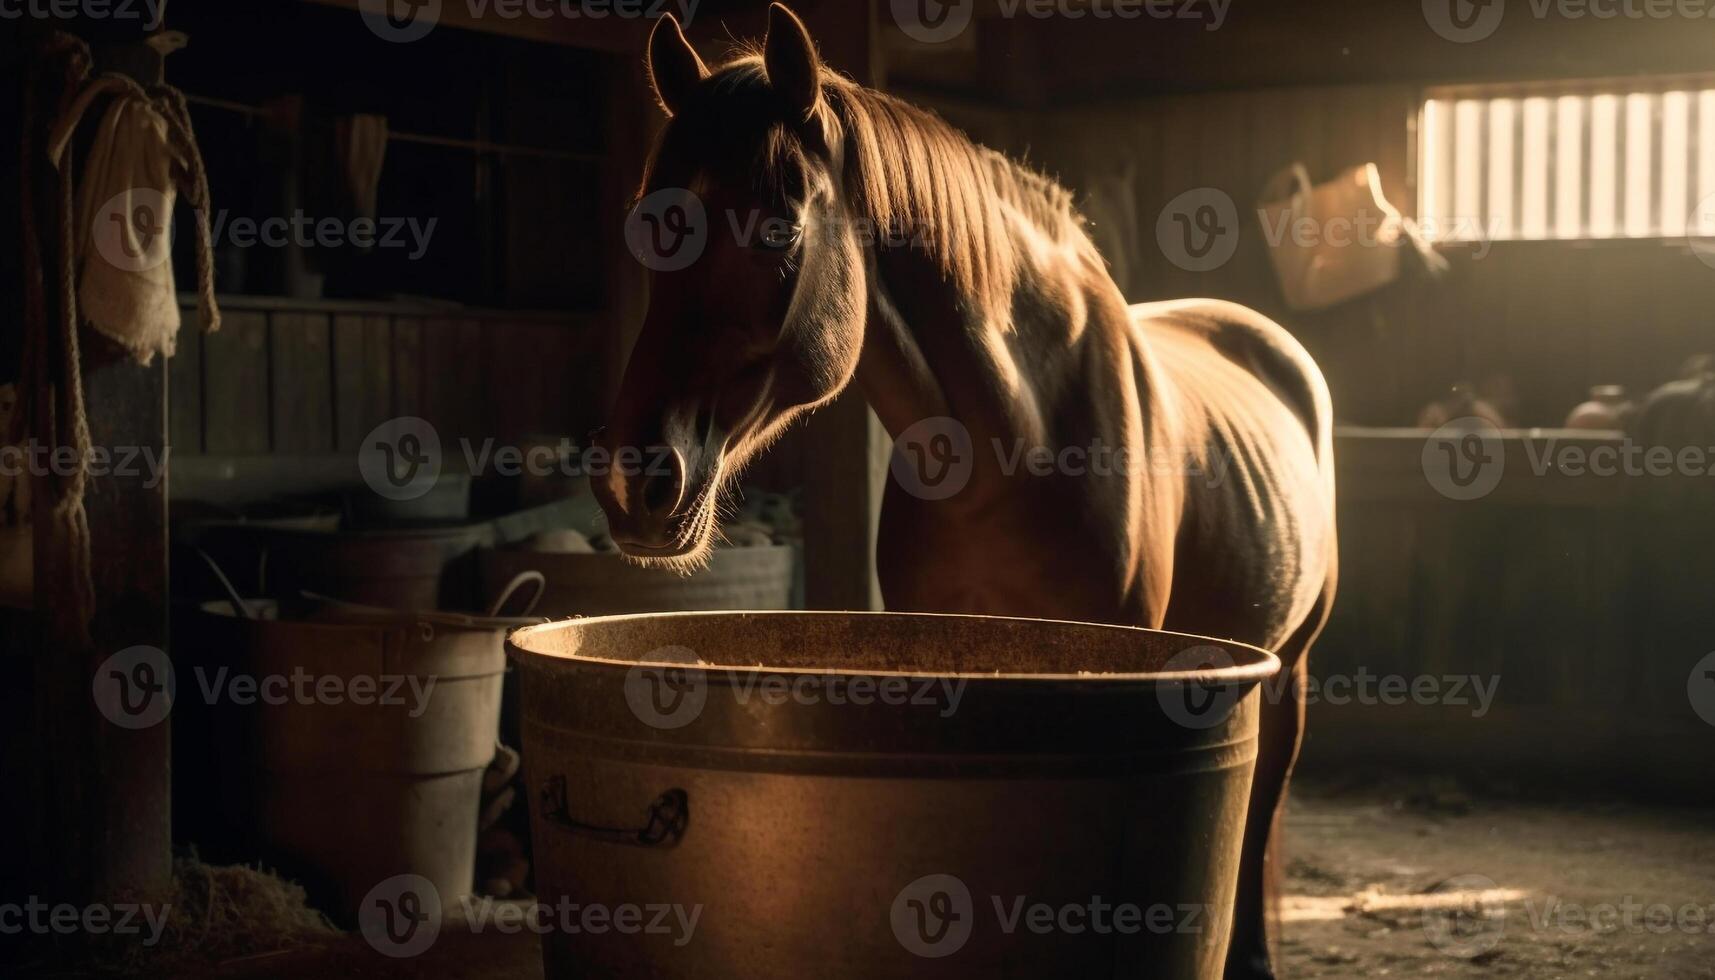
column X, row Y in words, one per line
column 854, row 238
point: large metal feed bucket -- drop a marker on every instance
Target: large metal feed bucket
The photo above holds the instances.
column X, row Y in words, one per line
column 885, row 795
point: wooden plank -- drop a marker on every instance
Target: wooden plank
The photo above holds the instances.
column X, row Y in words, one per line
column 844, row 482
column 106, row 794
column 301, row 365
column 1265, row 156
column 407, row 366
column 454, row 389
column 363, row 377
column 236, row 379
column 533, row 381
column 1222, row 145
column 1179, row 174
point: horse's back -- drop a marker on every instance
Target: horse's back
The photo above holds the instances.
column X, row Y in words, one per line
column 1263, row 348
column 1247, row 394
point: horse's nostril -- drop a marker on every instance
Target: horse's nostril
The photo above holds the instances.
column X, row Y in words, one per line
column 664, row 483
column 660, row 494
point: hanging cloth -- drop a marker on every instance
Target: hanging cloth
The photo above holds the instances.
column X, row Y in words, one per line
column 142, row 155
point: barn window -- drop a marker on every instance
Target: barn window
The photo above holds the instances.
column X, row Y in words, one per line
column 1569, row 161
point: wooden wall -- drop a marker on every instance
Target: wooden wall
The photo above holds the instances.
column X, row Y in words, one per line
column 305, row 379
column 1557, row 317
column 1582, row 599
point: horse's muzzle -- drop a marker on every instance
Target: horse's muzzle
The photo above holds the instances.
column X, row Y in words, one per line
column 645, row 504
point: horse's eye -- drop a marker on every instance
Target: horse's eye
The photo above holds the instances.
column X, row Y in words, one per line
column 778, row 237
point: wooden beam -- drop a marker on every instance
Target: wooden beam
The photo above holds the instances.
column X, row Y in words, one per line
column 104, row 783
column 597, row 25
column 845, row 475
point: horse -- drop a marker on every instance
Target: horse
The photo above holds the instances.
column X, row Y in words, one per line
column 875, row 245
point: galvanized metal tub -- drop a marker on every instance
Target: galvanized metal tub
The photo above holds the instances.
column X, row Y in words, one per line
column 364, row 759
column 884, row 795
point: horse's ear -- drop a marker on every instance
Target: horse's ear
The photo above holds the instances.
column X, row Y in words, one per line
column 794, row 68
column 674, row 68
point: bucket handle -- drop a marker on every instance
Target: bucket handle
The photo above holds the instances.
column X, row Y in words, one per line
column 519, row 581
column 239, row 607
column 668, row 817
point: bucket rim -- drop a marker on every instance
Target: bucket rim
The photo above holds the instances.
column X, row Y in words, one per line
column 1263, row 666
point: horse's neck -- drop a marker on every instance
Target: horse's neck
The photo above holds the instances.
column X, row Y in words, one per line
column 930, row 351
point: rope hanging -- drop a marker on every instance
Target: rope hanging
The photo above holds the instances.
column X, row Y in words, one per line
column 53, row 356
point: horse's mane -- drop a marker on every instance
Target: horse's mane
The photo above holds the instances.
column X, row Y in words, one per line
column 908, row 173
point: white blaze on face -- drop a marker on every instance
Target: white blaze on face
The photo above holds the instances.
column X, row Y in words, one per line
column 618, row 486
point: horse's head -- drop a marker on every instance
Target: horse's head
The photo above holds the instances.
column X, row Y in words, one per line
column 766, row 319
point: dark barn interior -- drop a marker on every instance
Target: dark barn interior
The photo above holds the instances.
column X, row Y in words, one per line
column 474, row 488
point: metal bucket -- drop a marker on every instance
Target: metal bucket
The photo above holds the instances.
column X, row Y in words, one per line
column 383, row 778
column 884, row 795
column 604, row 583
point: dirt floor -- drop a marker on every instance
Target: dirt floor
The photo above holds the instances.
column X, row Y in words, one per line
column 1430, row 881
column 1414, row 881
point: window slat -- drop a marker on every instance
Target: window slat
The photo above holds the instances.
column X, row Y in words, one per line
column 1569, row 161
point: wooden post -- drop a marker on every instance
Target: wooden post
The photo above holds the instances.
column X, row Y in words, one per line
column 105, row 833
column 845, row 475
